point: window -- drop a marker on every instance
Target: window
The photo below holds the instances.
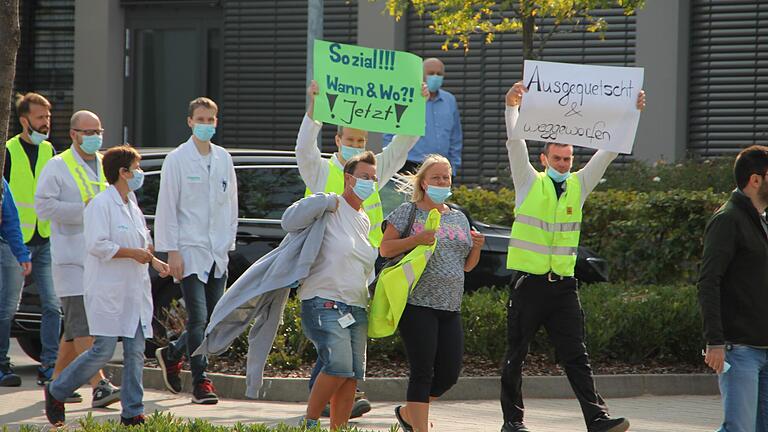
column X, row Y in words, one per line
column 265, row 192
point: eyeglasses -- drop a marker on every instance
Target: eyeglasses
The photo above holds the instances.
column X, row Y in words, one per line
column 89, row 132
column 365, row 177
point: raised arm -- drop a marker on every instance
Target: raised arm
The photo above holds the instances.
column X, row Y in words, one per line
column 312, row 167
column 523, row 173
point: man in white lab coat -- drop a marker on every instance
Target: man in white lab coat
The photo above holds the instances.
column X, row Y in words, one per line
column 66, row 185
column 196, row 223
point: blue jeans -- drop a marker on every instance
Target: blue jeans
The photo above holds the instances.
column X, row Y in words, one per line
column 340, row 351
column 10, row 293
column 200, row 299
column 744, row 389
column 87, row 364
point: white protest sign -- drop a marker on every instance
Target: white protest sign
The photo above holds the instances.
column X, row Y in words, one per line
column 588, row 106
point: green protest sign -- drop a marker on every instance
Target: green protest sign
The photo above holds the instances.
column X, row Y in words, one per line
column 370, row 89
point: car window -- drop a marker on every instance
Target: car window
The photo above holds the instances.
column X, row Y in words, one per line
column 265, row 192
column 391, row 197
column 147, row 195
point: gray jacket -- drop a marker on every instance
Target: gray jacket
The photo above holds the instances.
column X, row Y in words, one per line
column 260, row 294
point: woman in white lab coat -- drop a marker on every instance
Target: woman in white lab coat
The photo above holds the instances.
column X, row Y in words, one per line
column 118, row 296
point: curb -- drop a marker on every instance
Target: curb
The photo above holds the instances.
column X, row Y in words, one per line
column 468, row 388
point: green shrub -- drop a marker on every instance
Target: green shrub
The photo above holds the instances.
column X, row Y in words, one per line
column 646, row 237
column 623, row 322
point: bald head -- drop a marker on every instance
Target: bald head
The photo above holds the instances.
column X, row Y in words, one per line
column 433, row 66
column 83, row 118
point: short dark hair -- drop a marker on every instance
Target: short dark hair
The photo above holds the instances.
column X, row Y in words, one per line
column 202, row 102
column 365, row 157
column 751, row 160
column 118, row 157
column 23, row 101
column 545, row 150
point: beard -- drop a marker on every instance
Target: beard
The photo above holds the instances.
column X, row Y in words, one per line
column 762, row 192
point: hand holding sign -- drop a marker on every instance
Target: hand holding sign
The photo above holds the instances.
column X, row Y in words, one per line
column 369, row 89
column 596, row 109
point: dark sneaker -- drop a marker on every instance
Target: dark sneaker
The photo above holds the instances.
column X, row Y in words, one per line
column 309, row 423
column 54, row 409
column 133, row 421
column 205, row 393
column 514, row 427
column 44, row 374
column 605, row 423
column 105, row 394
column 8, row 378
column 171, row 370
column 75, row 397
column 360, row 407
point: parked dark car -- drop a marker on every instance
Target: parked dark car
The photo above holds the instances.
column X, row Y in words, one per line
column 268, row 182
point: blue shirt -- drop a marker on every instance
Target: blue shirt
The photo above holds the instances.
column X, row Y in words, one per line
column 10, row 230
column 442, row 134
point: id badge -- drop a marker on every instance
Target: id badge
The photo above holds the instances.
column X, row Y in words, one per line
column 346, row 320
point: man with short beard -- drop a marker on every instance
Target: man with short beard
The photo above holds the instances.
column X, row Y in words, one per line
column 733, row 295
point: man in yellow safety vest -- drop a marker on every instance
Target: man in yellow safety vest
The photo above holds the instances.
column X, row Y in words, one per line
column 542, row 248
column 25, row 157
column 66, row 185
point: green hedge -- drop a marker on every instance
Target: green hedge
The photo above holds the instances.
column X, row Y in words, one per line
column 646, row 237
column 160, row 422
column 626, row 323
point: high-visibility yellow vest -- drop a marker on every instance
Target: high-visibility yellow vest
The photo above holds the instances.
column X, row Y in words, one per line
column 23, row 183
column 372, row 206
column 396, row 283
column 545, row 234
column 88, row 188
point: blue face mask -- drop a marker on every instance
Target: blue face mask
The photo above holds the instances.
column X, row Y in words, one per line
column 37, row 137
column 137, row 181
column 438, row 194
column 348, row 153
column 363, row 188
column 434, row 82
column 204, row 132
column 556, row 176
column 91, row 143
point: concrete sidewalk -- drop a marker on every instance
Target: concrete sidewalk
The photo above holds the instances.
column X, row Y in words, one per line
column 24, row 405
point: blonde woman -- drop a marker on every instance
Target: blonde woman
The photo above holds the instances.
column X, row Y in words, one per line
column 431, row 323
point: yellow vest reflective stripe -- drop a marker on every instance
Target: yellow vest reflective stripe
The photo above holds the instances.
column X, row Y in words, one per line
column 372, row 206
column 545, row 234
column 24, row 183
column 88, row 188
column 396, row 283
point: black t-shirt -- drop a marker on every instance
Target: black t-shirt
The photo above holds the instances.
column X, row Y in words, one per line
column 31, row 150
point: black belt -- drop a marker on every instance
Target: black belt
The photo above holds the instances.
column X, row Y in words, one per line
column 550, row 276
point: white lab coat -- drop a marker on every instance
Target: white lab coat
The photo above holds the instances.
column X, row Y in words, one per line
column 197, row 212
column 118, row 291
column 57, row 198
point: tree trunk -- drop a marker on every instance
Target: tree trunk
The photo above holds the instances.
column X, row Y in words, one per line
column 529, row 30
column 10, row 35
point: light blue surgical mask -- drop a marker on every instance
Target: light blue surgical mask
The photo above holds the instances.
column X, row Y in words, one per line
column 91, row 143
column 137, row 181
column 364, row 188
column 557, row 176
column 204, row 132
column 434, row 82
column 438, row 194
column 348, row 153
column 37, row 137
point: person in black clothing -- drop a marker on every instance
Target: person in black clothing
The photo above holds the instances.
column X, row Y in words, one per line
column 733, row 295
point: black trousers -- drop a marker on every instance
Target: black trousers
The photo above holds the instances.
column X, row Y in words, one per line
column 535, row 302
column 434, row 344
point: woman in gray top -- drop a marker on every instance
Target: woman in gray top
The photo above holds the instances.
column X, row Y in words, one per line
column 431, row 323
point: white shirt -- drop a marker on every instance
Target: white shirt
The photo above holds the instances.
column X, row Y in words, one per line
column 524, row 174
column 118, row 291
column 345, row 260
column 57, row 198
column 314, row 169
column 197, row 209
